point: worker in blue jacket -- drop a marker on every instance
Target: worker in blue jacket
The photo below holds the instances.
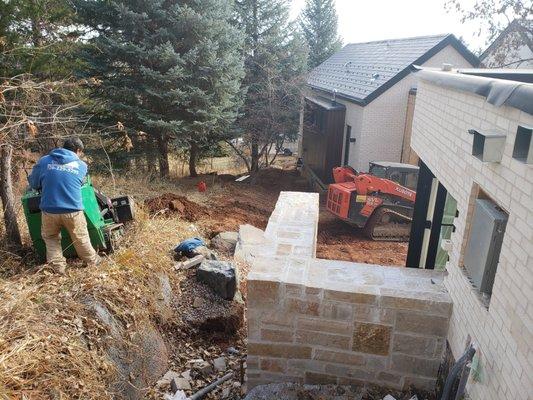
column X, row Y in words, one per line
column 59, row 176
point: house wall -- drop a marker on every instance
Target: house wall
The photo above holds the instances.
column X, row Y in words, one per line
column 503, row 53
column 504, row 331
column 383, row 124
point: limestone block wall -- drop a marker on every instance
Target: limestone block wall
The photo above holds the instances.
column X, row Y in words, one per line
column 322, row 321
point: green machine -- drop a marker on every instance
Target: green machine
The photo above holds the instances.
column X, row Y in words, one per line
column 105, row 219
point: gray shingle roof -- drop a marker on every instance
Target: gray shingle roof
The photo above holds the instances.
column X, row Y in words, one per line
column 362, row 71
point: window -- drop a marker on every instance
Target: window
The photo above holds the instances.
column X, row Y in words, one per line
column 523, row 145
column 482, row 253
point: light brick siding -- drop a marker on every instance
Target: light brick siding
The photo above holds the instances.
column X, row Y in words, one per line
column 504, row 332
column 378, row 127
column 322, row 321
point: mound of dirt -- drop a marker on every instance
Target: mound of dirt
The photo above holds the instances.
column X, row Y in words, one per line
column 280, row 180
column 172, row 203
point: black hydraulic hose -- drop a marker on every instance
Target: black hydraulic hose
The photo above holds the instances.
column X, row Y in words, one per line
column 454, row 372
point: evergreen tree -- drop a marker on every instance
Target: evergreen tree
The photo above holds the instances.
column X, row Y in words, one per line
column 318, row 22
column 171, row 69
column 275, row 59
column 37, row 37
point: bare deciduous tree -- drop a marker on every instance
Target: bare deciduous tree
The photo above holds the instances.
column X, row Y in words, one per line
column 496, row 17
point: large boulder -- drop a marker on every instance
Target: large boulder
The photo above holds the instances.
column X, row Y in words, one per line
column 219, row 276
column 140, row 357
column 225, row 241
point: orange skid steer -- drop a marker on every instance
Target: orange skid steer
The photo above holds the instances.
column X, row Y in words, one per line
column 380, row 201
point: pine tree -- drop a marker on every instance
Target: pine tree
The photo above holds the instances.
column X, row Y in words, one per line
column 275, row 59
column 37, row 37
column 171, row 69
column 318, row 22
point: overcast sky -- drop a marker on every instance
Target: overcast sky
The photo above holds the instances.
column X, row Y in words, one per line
column 367, row 20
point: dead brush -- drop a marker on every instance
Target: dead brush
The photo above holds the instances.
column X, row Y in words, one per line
column 51, row 344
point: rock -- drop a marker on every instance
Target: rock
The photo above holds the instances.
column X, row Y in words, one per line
column 389, row 397
column 179, row 395
column 219, row 364
column 166, row 379
column 294, row 391
column 204, row 251
column 219, row 276
column 225, row 241
column 186, row 374
column 178, row 383
column 198, row 302
column 140, row 356
column 202, row 367
column 233, row 351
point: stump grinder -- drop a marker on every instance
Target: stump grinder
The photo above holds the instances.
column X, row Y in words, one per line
column 105, row 219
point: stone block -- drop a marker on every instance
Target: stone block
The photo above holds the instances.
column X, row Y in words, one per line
column 422, row 324
column 371, row 338
column 402, row 299
column 272, row 318
column 374, row 314
column 219, row 276
column 279, row 350
column 414, row 365
column 323, row 339
column 344, row 371
column 252, row 362
column 333, row 310
column 262, row 293
column 338, row 357
column 420, row 383
column 299, row 306
column 389, row 377
column 351, row 297
column 314, row 378
column 414, row 345
column 323, row 325
column 272, row 335
column 225, row 241
column 299, row 367
column 273, row 365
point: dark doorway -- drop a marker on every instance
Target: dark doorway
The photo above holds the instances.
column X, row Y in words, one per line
column 347, row 144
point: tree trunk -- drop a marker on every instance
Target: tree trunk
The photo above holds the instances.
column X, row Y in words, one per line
column 162, row 145
column 8, row 198
column 255, row 156
column 193, row 157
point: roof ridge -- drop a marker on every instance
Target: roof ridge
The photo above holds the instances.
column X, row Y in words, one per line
column 443, row 35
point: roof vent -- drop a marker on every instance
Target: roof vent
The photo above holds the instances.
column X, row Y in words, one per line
column 447, row 67
column 375, row 76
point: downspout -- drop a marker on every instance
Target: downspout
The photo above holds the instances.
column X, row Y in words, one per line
column 454, row 373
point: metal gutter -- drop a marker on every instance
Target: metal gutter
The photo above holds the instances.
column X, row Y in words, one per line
column 498, row 92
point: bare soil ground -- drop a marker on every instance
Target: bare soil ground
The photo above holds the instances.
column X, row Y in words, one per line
column 228, row 204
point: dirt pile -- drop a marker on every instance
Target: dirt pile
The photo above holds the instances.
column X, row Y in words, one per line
column 173, row 203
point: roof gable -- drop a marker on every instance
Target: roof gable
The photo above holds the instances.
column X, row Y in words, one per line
column 362, row 71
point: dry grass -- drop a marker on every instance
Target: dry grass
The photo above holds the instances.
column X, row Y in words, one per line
column 50, row 343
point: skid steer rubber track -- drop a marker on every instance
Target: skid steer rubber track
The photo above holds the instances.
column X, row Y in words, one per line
column 388, row 225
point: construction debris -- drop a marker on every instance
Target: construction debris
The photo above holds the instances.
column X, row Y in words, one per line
column 219, row 364
column 187, row 264
column 219, row 276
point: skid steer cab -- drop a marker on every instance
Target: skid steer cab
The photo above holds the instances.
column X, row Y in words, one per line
column 105, row 219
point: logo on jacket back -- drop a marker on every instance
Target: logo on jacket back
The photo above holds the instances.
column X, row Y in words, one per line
column 72, row 167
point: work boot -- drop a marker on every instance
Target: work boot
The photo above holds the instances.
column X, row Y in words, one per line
column 97, row 260
column 58, row 268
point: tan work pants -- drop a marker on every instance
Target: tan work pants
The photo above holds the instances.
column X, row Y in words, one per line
column 76, row 226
